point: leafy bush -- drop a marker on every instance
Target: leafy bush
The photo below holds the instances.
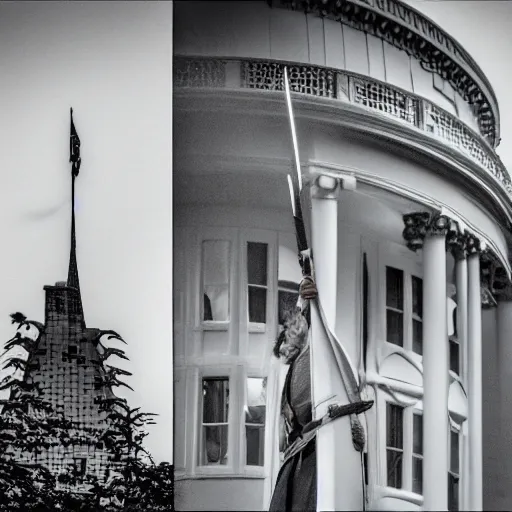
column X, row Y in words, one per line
column 29, row 425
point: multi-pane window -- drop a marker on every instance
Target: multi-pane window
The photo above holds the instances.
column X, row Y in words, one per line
column 215, row 280
column 404, row 448
column 454, row 471
column 214, row 429
column 255, row 414
column 257, row 280
column 394, row 444
column 417, row 453
column 395, row 306
column 404, row 310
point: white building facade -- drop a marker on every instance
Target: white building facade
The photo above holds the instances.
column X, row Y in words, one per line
column 410, row 228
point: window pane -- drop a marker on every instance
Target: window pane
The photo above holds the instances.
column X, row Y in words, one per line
column 417, row 434
column 454, row 452
column 215, row 267
column 216, row 303
column 394, row 434
column 453, row 492
column 287, row 304
column 417, row 337
column 257, row 263
column 394, row 288
column 394, row 461
column 216, row 262
column 257, row 305
column 417, row 296
column 255, row 413
column 215, row 400
column 454, row 357
column 255, row 435
column 215, row 445
column 417, row 475
column 395, row 328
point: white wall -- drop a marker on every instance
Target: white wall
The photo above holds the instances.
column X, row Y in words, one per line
column 218, row 494
column 111, row 62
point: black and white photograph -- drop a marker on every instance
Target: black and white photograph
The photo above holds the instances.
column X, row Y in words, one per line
column 342, row 225
column 257, row 255
column 86, row 388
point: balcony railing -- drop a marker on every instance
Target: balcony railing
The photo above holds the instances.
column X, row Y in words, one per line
column 343, row 86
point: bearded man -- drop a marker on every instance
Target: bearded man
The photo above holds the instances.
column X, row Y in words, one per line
column 296, row 486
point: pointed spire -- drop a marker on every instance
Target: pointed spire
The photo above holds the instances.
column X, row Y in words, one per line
column 74, row 157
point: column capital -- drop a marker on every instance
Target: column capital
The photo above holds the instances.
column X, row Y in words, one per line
column 457, row 241
column 473, row 245
column 418, row 225
column 415, row 231
column 325, row 187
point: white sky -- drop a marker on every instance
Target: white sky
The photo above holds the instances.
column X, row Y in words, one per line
column 110, row 61
column 484, row 29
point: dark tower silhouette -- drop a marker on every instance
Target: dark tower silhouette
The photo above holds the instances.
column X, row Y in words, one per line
column 67, row 363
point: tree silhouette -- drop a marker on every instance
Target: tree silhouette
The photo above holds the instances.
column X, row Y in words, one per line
column 29, row 426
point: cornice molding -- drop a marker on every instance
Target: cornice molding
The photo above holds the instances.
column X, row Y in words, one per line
column 408, row 29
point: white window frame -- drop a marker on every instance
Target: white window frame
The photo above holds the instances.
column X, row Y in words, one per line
column 236, row 454
column 237, row 364
column 407, row 478
column 393, row 255
column 215, row 234
column 230, row 372
column 264, row 237
column 256, row 471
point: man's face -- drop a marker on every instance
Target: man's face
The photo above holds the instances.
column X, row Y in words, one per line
column 289, row 352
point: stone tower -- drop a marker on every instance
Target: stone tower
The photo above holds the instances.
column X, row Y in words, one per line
column 67, row 365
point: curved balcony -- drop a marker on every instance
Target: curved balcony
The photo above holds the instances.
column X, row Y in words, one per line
column 408, row 29
column 342, row 86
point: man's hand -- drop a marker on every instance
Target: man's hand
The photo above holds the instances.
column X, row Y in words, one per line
column 307, row 289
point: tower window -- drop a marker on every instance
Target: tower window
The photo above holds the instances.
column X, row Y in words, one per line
column 60, row 304
column 80, row 465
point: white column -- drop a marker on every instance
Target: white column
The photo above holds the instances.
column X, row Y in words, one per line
column 504, row 314
column 475, row 382
column 435, row 374
column 339, row 485
column 461, row 278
